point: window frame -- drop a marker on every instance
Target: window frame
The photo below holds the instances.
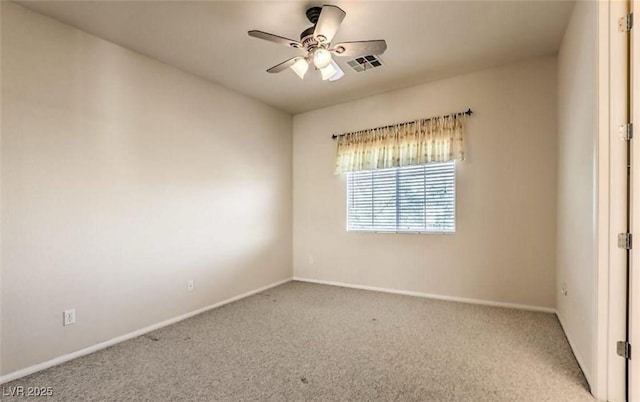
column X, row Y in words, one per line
column 408, row 231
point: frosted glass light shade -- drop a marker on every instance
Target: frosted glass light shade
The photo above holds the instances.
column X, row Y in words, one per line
column 321, row 58
column 338, row 74
column 328, row 72
column 300, row 67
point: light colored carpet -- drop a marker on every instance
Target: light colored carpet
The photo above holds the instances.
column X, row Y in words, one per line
column 301, row 341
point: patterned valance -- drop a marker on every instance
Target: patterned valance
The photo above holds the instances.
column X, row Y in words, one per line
column 437, row 139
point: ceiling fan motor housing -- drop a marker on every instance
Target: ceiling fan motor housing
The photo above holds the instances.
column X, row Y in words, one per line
column 307, row 38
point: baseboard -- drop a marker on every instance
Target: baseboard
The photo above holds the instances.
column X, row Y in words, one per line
column 431, row 295
column 102, row 345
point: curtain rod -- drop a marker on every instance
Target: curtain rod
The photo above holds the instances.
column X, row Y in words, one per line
column 468, row 112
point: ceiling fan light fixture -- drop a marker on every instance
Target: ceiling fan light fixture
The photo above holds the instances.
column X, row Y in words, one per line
column 338, row 74
column 328, row 71
column 316, row 42
column 321, row 58
column 300, row 67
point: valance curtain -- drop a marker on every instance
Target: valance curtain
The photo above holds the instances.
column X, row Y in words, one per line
column 438, row 139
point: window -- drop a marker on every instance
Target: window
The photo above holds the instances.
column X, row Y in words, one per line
column 406, row 199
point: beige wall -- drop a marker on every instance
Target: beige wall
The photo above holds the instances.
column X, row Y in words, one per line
column 577, row 136
column 122, row 178
column 505, row 244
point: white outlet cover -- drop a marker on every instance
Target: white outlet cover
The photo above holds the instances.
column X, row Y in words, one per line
column 69, row 317
column 190, row 285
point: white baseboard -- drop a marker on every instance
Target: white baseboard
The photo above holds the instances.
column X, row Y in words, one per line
column 431, row 295
column 102, row 345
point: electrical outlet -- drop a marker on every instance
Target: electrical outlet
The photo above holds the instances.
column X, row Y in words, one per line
column 563, row 288
column 190, row 285
column 69, row 317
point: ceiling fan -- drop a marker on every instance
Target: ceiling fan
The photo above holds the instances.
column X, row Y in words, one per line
column 316, row 41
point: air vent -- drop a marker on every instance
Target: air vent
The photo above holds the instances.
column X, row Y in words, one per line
column 365, row 63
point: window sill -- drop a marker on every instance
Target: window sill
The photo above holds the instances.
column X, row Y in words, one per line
column 399, row 232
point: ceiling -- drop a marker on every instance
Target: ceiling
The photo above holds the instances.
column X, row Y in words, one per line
column 427, row 40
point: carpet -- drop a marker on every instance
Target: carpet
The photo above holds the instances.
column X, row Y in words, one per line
column 310, row 342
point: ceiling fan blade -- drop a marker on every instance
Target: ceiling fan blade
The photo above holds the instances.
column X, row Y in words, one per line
column 363, row 48
column 328, row 23
column 284, row 65
column 275, row 39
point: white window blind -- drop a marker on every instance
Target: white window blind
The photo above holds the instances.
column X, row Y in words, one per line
column 406, row 199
